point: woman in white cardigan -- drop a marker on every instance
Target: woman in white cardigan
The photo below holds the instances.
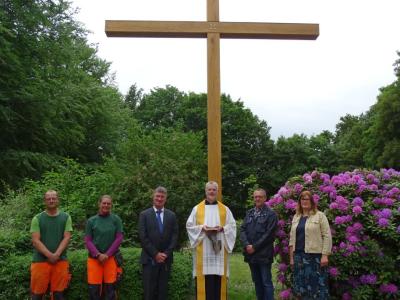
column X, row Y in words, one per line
column 309, row 247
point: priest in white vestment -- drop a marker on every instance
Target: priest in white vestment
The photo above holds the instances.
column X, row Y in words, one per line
column 212, row 233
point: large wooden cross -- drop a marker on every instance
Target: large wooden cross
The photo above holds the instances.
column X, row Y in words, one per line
column 213, row 30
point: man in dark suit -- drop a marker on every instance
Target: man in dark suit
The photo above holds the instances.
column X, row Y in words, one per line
column 158, row 233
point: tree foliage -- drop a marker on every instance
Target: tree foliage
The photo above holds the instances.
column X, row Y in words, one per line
column 348, row 141
column 55, row 94
column 133, row 97
column 143, row 161
column 163, row 157
column 373, row 138
column 300, row 153
column 246, row 143
column 384, row 133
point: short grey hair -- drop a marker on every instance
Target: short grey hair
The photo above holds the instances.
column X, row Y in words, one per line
column 211, row 183
column 160, row 189
column 260, row 190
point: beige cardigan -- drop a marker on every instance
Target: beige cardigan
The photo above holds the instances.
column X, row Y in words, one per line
column 318, row 238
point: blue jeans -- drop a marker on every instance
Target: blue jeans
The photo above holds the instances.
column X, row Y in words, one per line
column 262, row 278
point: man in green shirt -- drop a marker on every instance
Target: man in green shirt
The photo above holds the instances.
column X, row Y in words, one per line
column 51, row 232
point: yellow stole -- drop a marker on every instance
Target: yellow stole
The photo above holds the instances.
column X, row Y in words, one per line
column 201, row 285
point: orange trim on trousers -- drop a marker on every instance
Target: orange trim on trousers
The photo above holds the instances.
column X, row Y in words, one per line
column 99, row 273
column 43, row 273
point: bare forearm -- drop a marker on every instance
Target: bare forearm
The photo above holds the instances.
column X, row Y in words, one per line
column 41, row 248
column 63, row 245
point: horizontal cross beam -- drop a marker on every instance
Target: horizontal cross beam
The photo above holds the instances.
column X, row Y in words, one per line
column 230, row 30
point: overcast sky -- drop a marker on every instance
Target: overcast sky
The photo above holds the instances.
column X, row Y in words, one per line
column 296, row 86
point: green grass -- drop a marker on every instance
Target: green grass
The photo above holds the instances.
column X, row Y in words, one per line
column 240, row 285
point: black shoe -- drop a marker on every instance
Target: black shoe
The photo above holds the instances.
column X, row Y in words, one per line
column 94, row 291
column 58, row 295
column 37, row 297
column 110, row 291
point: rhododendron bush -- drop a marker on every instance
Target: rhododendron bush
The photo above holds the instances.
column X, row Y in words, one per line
column 363, row 209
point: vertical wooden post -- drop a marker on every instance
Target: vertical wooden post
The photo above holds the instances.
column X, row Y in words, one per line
column 213, row 10
column 214, row 98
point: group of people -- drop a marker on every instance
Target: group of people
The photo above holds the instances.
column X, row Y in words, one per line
column 51, row 233
column 310, row 245
column 211, row 228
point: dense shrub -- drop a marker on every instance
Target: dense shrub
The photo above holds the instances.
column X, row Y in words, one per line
column 14, row 225
column 164, row 157
column 238, row 244
column 363, row 208
column 14, row 276
column 79, row 189
column 144, row 163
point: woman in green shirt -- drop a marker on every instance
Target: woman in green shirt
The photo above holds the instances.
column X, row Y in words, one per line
column 103, row 237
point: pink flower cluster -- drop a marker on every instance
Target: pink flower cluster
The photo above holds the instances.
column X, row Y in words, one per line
column 368, row 279
column 389, row 288
column 286, row 294
column 333, row 271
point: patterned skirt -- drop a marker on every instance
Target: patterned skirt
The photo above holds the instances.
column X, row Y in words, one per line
column 310, row 281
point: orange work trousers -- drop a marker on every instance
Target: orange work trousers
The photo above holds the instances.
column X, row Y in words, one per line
column 99, row 273
column 45, row 273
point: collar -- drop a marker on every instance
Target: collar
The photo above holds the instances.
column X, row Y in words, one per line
column 259, row 208
column 156, row 209
column 103, row 215
column 209, row 203
column 52, row 215
column 256, row 210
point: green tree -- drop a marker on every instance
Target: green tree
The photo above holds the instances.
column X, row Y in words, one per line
column 384, row 134
column 292, row 155
column 147, row 159
column 56, row 95
column 246, row 142
column 247, row 149
column 325, row 151
column 349, row 142
column 372, row 139
column 160, row 108
column 134, row 97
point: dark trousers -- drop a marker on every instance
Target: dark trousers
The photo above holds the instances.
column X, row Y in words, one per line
column 155, row 281
column 213, row 287
column 262, row 278
column 56, row 296
column 106, row 291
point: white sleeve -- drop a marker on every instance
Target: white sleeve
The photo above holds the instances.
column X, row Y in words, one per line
column 194, row 231
column 229, row 231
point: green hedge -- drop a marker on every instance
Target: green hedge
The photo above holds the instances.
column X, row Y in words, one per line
column 15, row 276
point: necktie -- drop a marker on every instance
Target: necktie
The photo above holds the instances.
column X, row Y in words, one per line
column 160, row 224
